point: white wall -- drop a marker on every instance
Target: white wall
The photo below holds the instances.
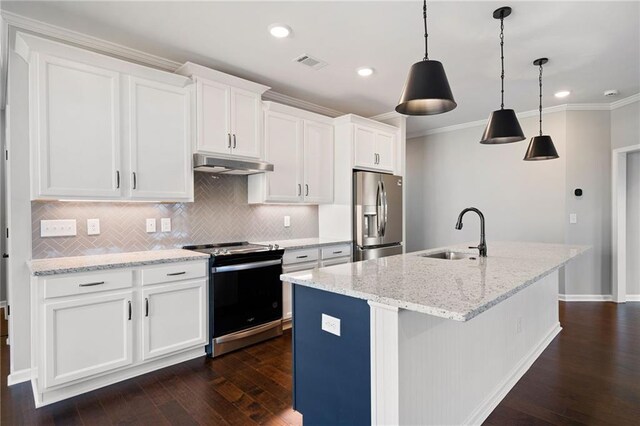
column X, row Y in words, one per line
column 527, row 201
column 520, row 200
column 633, row 223
column 625, row 126
column 588, row 162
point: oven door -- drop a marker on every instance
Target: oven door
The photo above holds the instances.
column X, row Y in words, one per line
column 246, row 295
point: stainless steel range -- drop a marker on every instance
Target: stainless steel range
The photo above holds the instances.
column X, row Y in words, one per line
column 245, row 294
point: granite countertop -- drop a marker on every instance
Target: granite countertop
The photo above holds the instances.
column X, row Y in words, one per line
column 453, row 289
column 305, row 242
column 66, row 265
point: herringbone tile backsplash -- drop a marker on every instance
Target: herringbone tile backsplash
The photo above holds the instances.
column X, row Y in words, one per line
column 220, row 213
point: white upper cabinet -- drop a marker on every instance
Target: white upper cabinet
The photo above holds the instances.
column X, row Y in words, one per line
column 160, row 141
column 229, row 113
column 283, row 149
column 318, row 162
column 76, row 129
column 105, row 129
column 375, row 145
column 299, row 144
column 375, row 149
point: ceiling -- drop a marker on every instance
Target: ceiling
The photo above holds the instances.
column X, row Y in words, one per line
column 591, row 46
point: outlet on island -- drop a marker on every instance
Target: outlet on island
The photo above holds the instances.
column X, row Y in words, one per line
column 331, row 324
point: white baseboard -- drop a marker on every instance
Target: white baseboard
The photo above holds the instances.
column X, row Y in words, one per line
column 19, row 376
column 481, row 413
column 633, row 297
column 585, row 297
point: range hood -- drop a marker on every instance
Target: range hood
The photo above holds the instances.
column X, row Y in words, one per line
column 229, row 166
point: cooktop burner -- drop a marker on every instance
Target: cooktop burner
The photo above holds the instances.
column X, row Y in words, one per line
column 224, row 249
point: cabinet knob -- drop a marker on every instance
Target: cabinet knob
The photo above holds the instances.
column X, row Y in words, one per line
column 299, row 190
column 306, row 189
column 234, row 141
column 117, row 179
column 228, row 140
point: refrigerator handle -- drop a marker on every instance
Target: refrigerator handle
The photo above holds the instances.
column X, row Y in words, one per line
column 385, row 209
column 379, row 207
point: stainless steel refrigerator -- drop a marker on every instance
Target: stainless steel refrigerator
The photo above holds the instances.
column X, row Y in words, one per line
column 377, row 215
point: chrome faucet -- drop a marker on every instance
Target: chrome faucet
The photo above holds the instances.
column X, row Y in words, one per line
column 482, row 247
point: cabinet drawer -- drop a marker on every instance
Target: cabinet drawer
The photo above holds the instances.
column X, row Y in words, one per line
column 173, row 272
column 341, row 250
column 336, row 261
column 299, row 256
column 71, row 284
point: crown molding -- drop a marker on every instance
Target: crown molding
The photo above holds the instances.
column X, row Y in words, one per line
column 626, row 101
column 4, row 61
column 533, row 113
column 271, row 95
column 387, row 116
column 87, row 41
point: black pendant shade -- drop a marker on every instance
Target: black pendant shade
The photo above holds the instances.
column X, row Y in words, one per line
column 503, row 127
column 541, row 148
column 426, row 91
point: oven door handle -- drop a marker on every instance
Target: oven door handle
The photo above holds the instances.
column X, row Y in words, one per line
column 245, row 266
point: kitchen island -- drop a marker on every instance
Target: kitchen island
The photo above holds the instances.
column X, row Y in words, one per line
column 410, row 339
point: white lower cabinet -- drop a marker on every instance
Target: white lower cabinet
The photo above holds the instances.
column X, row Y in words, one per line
column 86, row 336
column 102, row 327
column 173, row 317
column 305, row 259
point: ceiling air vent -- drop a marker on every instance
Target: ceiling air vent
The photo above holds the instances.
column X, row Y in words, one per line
column 310, row 61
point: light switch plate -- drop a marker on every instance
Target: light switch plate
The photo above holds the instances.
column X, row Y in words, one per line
column 287, row 221
column 151, row 225
column 93, row 226
column 573, row 218
column 58, row 228
column 165, row 224
column 331, row 324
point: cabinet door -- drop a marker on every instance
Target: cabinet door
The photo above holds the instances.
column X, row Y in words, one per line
column 283, row 148
column 246, row 123
column 160, row 141
column 174, row 317
column 318, row 162
column 386, row 149
column 75, row 129
column 365, row 147
column 87, row 336
column 213, row 117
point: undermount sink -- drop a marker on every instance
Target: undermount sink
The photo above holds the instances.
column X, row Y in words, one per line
column 449, row 255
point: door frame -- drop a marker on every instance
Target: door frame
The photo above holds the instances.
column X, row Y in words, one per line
column 619, row 221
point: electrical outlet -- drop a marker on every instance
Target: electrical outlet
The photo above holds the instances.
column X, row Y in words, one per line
column 573, row 218
column 58, row 228
column 151, row 225
column 287, row 221
column 165, row 224
column 331, row 324
column 93, row 226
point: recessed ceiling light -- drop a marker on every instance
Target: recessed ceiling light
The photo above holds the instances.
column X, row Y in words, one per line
column 280, row 30
column 365, row 71
column 562, row 94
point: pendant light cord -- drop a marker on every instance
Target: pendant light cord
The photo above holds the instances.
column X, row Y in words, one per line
column 540, row 107
column 426, row 34
column 502, row 62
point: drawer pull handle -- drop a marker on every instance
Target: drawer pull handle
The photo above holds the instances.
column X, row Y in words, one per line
column 337, row 252
column 302, row 257
column 173, row 274
column 91, row 284
column 146, row 306
column 129, row 302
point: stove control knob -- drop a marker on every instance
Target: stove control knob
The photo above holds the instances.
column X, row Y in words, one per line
column 276, row 247
column 226, row 251
column 270, row 246
column 216, row 252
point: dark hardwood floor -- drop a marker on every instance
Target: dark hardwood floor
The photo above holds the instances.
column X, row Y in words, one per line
column 590, row 374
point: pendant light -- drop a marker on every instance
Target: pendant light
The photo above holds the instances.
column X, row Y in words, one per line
column 503, row 126
column 541, row 147
column 426, row 91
